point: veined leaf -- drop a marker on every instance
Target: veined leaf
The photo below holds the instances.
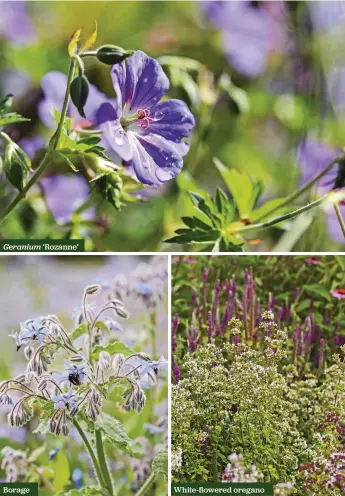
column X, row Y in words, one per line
column 79, row 331
column 241, row 188
column 113, row 346
column 160, row 465
column 115, row 433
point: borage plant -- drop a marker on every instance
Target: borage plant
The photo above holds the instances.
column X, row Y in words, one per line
column 97, row 369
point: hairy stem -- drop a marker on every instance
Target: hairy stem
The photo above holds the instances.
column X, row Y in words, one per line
column 55, row 139
column 91, row 453
column 276, row 220
column 302, row 189
column 103, row 462
column 148, row 483
column 47, row 158
column 34, row 178
column 340, row 218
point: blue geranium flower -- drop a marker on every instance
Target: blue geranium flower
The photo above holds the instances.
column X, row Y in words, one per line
column 246, row 32
column 54, row 87
column 142, row 130
column 313, row 157
column 66, row 400
column 15, row 24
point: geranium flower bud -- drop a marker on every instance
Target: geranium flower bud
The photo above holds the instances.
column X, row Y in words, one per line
column 79, row 92
column 112, row 54
column 16, row 165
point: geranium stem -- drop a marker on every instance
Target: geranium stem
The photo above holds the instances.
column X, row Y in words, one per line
column 148, row 483
column 48, row 156
column 103, row 462
column 34, row 178
column 276, row 220
column 340, row 218
column 296, row 194
column 91, row 453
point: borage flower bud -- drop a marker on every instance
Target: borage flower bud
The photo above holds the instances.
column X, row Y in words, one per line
column 104, row 360
column 28, row 351
column 93, row 289
column 20, row 414
column 79, row 92
column 121, row 312
column 5, row 399
column 94, row 404
column 77, row 358
column 135, row 400
column 59, row 423
column 117, row 362
column 112, row 54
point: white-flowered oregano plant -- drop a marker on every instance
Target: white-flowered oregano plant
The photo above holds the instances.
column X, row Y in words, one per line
column 96, row 368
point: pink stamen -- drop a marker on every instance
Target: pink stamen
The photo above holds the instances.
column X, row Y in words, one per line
column 143, row 118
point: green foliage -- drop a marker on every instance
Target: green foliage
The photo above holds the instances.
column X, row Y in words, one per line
column 61, row 469
column 160, row 465
column 113, row 346
column 208, row 227
column 270, row 390
column 115, row 433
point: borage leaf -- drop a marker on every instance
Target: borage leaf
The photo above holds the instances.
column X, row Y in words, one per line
column 160, row 465
column 115, row 433
column 112, row 347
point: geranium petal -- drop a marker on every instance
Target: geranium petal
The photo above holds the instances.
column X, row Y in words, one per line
column 139, row 82
column 334, row 229
column 312, row 158
column 114, row 137
column 155, row 160
column 64, row 194
column 172, row 119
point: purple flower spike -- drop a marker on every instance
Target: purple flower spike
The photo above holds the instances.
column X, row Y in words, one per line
column 176, row 372
column 139, row 128
column 313, row 157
